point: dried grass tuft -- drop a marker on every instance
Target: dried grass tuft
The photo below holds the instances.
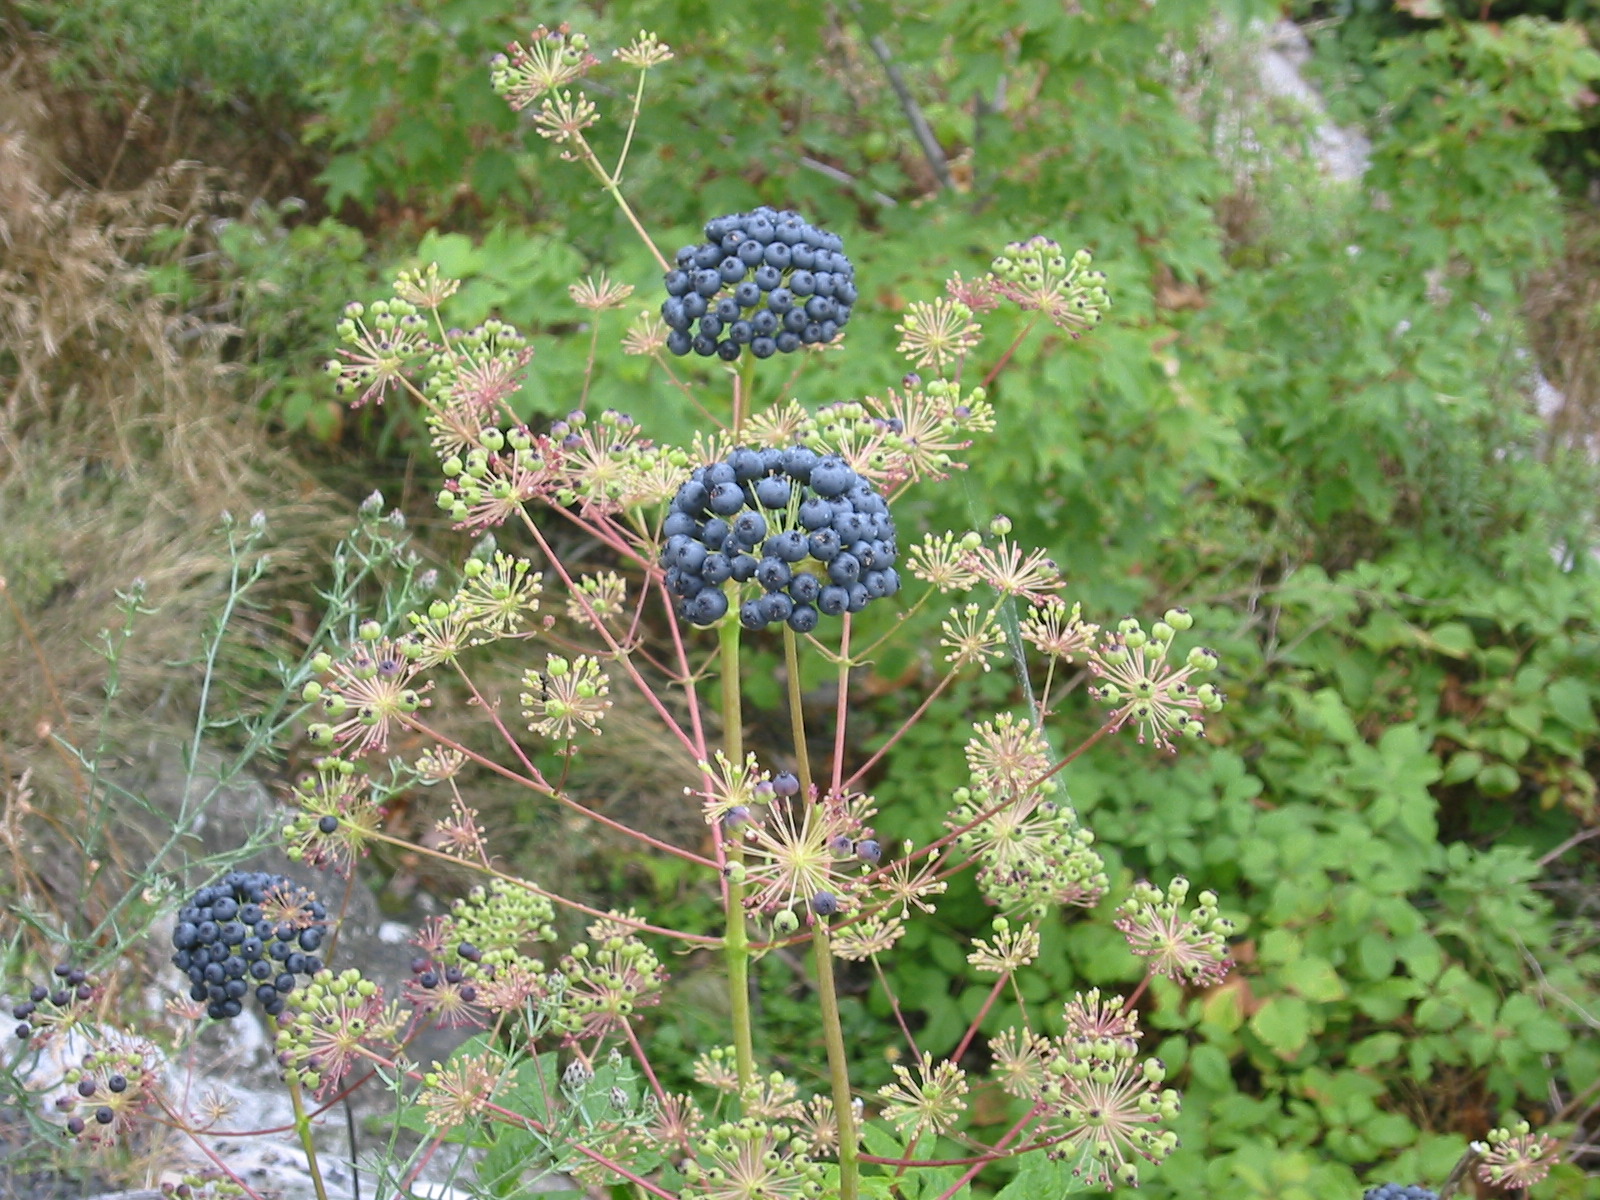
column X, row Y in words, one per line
column 122, row 442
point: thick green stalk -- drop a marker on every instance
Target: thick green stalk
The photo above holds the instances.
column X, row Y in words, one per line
column 302, row 1129
column 838, row 1065
column 797, row 721
column 737, row 943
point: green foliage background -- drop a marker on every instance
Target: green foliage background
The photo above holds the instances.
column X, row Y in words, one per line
column 1306, row 419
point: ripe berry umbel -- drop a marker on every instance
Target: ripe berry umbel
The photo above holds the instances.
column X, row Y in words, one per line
column 1396, row 1191
column 250, row 931
column 765, row 279
column 813, row 536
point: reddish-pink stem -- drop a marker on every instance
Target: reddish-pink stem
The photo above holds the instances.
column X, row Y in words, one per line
column 971, row 1172
column 611, row 643
column 688, row 675
column 644, row 1064
column 1010, row 350
column 901, row 732
column 894, row 1004
column 544, row 789
column 972, row 1029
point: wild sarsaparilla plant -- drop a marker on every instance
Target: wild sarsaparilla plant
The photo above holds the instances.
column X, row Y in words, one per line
column 777, row 523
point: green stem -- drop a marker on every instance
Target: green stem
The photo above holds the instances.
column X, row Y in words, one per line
column 838, row 1065
column 302, row 1129
column 797, row 721
column 737, row 943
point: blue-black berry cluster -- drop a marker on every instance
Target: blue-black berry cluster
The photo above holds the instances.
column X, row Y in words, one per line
column 1396, row 1191
column 814, row 535
column 71, row 985
column 245, row 933
column 764, row 279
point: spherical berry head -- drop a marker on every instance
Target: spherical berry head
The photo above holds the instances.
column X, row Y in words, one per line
column 773, row 492
column 749, row 528
column 815, row 513
column 844, row 568
column 717, row 569
column 776, row 607
column 824, row 545
column 790, row 545
column 832, row 476
column 746, row 464
column 691, row 557
column 707, row 608
column 773, row 573
column 726, row 499
column 714, row 533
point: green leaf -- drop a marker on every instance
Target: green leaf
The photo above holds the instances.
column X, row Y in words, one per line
column 1041, row 1179
column 1314, row 978
column 1284, row 1024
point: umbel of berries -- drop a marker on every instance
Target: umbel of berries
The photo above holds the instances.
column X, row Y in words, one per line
column 764, row 279
column 249, row 932
column 1399, row 1191
column 807, row 534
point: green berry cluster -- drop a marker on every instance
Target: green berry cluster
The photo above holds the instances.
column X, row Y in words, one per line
column 1032, row 856
column 757, row 1159
column 498, row 920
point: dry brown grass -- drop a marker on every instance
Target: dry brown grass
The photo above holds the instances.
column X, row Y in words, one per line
column 122, row 442
column 1563, row 314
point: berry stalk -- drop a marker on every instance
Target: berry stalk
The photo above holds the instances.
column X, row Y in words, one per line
column 838, row 1064
column 302, row 1129
column 737, row 942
